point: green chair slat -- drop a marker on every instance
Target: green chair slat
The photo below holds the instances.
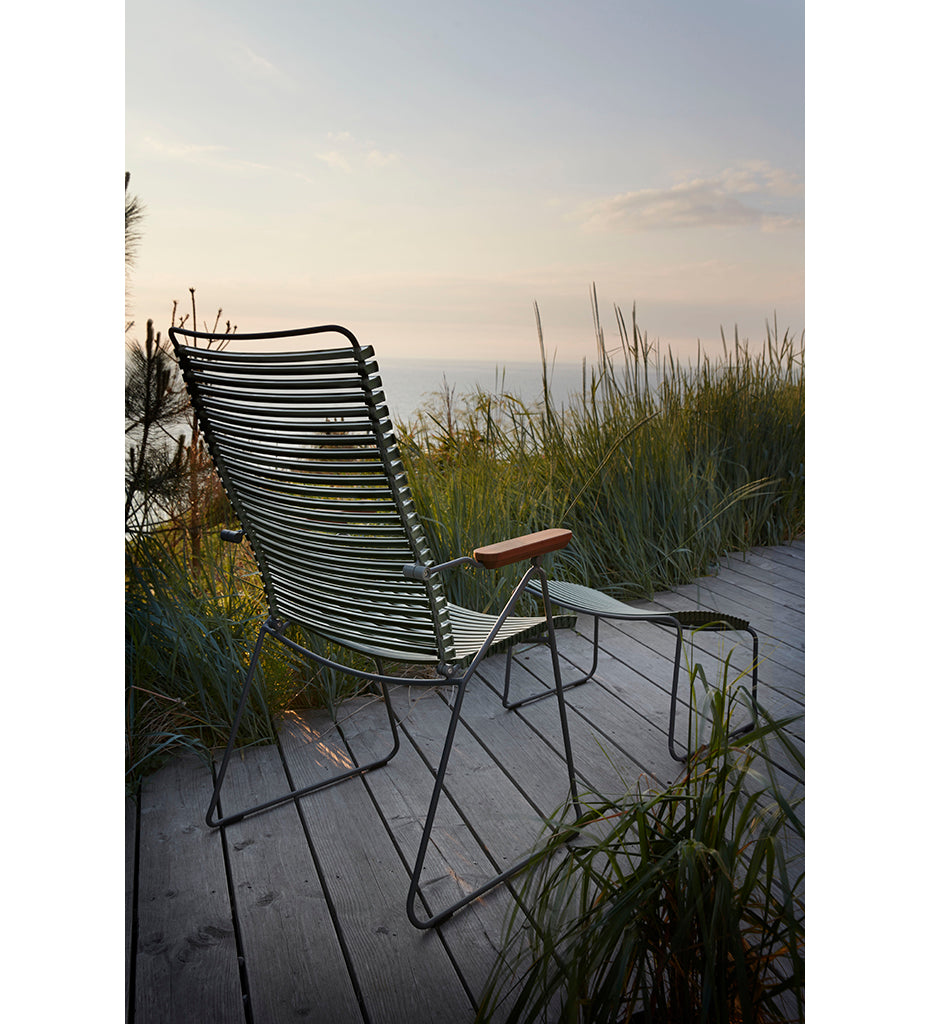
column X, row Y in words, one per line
column 470, row 629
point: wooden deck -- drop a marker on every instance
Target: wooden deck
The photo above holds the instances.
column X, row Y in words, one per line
column 298, row 914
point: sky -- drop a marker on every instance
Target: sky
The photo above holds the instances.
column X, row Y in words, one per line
column 422, row 173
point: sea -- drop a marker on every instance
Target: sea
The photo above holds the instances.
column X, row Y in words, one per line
column 411, row 384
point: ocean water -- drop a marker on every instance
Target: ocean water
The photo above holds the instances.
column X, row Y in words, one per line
column 410, row 383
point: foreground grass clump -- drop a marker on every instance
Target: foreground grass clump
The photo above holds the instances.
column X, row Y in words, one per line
column 658, row 468
column 190, row 629
column 187, row 639
column 677, row 905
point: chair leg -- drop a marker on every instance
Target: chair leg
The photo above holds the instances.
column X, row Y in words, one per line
column 754, row 718
column 440, row 775
column 549, row 690
column 442, row 915
column 743, row 730
column 672, row 700
column 502, row 876
column 212, row 822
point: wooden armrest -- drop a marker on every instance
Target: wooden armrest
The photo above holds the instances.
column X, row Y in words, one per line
column 493, row 556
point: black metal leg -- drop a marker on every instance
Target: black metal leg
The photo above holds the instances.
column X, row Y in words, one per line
column 743, row 730
column 550, row 690
column 442, row 915
column 224, row 764
column 560, row 697
column 754, row 718
column 229, row 819
column 431, row 921
column 440, row 775
column 507, row 677
column 675, row 690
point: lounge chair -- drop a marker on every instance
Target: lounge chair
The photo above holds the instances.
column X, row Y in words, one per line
column 303, row 443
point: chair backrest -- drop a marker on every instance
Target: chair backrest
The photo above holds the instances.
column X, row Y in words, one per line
column 306, row 451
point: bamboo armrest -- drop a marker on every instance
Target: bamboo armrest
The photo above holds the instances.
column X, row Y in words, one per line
column 493, row 556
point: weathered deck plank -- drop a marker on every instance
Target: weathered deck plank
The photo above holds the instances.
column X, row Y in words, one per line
column 129, row 881
column 281, row 906
column 787, row 582
column 455, row 862
column 186, row 958
column 311, row 894
column 402, row 973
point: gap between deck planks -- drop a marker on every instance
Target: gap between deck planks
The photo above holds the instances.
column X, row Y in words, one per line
column 297, row 914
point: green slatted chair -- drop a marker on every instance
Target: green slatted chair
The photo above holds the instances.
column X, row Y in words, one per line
column 586, row 601
column 304, row 446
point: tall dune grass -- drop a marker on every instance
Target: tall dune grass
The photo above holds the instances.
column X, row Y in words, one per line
column 657, row 466
column 190, row 629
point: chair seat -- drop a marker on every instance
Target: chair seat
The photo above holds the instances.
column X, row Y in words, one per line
column 470, row 628
column 587, row 601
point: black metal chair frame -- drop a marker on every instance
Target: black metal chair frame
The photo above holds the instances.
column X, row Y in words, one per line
column 251, row 475
column 276, row 630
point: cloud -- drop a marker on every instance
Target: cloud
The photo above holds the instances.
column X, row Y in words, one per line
column 379, row 159
column 258, row 64
column 753, row 194
column 336, row 160
column 190, row 151
column 348, row 153
column 217, row 157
